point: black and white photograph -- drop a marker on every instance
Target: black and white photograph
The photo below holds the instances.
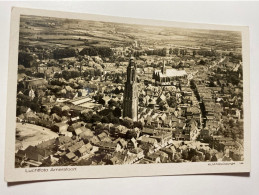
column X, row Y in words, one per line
column 98, row 93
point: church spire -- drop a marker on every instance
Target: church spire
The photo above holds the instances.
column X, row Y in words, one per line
column 131, row 71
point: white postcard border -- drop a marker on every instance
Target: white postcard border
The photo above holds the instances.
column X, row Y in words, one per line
column 13, row 174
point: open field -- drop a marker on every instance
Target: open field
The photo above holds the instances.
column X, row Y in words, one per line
column 29, row 134
column 71, row 33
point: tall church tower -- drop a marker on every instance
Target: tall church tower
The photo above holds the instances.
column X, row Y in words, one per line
column 163, row 68
column 130, row 99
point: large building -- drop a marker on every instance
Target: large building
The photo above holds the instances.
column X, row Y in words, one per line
column 35, row 83
column 130, row 101
column 166, row 76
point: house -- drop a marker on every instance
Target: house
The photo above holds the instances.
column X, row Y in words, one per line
column 70, row 156
column 94, row 140
column 130, row 158
column 183, row 135
column 76, row 146
column 148, row 131
column 132, row 143
column 161, row 98
column 78, row 131
column 85, row 149
column 35, row 83
column 63, row 140
column 65, row 108
column 60, row 127
column 162, row 137
column 154, row 157
column 109, row 146
column 20, row 156
column 86, row 134
column 157, row 123
column 163, row 156
column 226, row 158
column 102, row 136
column 229, row 145
column 50, row 161
column 138, row 151
column 33, row 153
column 169, row 152
column 49, row 144
column 167, row 122
column 33, row 163
column 74, row 126
column 236, row 155
column 107, row 139
column 147, row 140
column 118, row 158
column 122, row 142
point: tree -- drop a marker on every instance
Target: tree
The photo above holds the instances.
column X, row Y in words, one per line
column 115, row 120
column 65, row 113
column 18, row 110
column 172, row 101
column 105, row 119
column 233, row 135
column 191, row 154
column 176, row 51
column 39, row 75
column 86, row 117
column 177, row 157
column 131, row 134
column 20, row 86
column 182, row 52
column 163, row 105
column 56, row 110
column 96, row 118
column 214, row 158
column 231, row 123
column 117, row 112
column 194, row 53
column 127, row 122
column 207, row 156
column 202, row 62
column 66, row 74
column 101, row 101
column 35, row 107
column 88, row 72
column 112, row 103
column 64, row 53
column 75, row 74
column 164, row 52
column 98, row 129
column 118, row 80
column 185, row 154
column 94, row 51
column 98, row 97
column 138, row 124
column 25, row 59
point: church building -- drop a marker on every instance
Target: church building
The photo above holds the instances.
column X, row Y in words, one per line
column 166, row 76
column 130, row 101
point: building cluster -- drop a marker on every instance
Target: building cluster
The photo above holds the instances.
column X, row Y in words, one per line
column 148, row 109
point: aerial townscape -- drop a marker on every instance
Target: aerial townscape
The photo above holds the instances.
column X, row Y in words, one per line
column 103, row 93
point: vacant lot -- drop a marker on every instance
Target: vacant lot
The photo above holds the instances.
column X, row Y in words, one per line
column 29, row 134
